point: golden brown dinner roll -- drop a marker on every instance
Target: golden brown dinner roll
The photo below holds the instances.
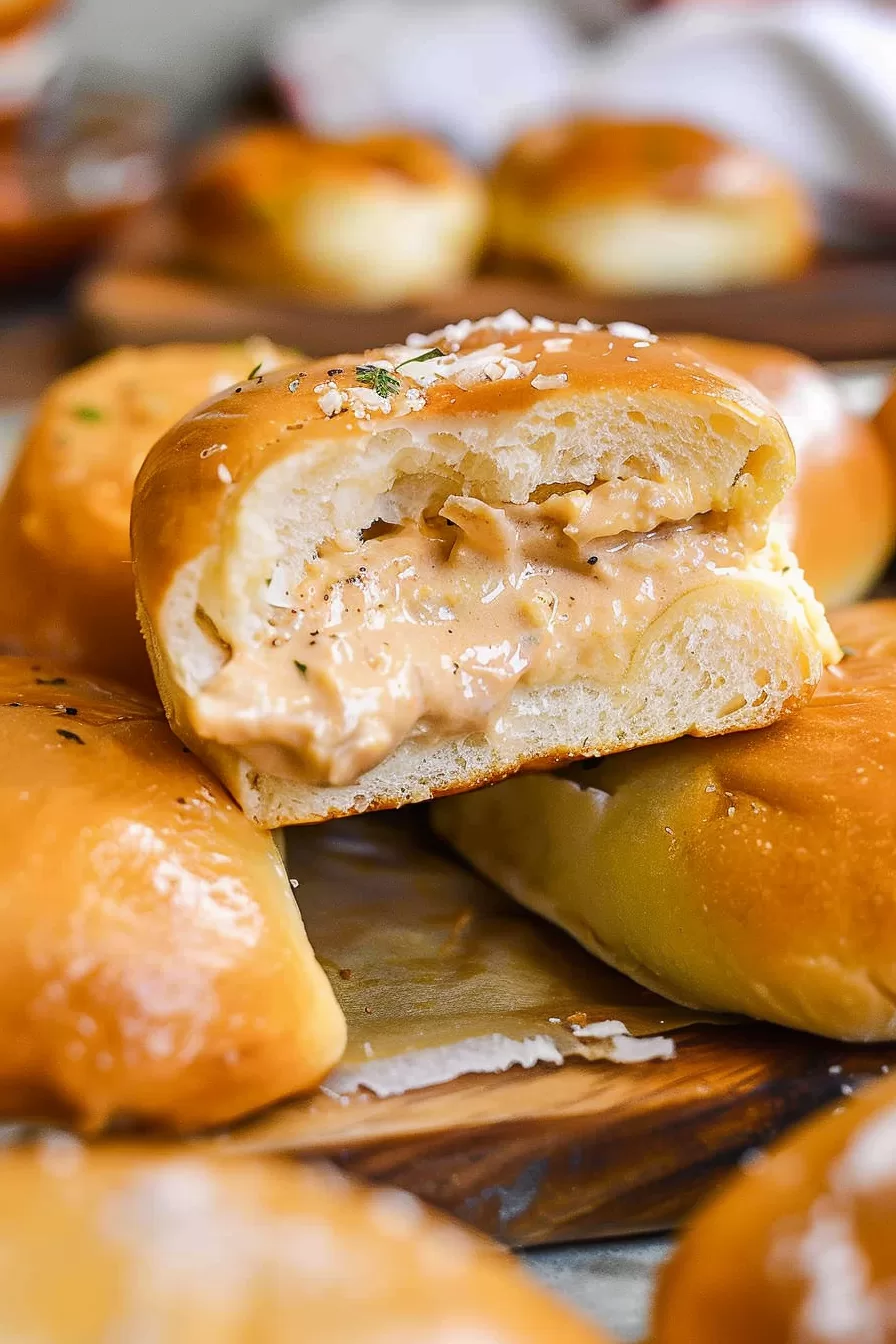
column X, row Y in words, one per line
column 131, row 1243
column 750, row 874
column 66, row 588
column 885, row 421
column 393, row 575
column 800, row 1247
column 840, row 517
column 388, row 218
column 624, row 207
column 16, row 16
column 155, row 967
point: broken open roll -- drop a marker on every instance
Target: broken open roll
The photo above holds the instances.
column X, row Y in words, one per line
column 390, row 576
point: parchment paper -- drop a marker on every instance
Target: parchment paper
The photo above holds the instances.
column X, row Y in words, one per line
column 440, row 974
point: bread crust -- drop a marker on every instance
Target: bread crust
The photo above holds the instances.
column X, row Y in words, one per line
column 17, row 16
column 840, row 516
column 176, row 1245
column 386, row 218
column 797, row 1246
column 65, row 515
column 749, row 875
column 561, row 191
column 155, row 966
column 295, row 446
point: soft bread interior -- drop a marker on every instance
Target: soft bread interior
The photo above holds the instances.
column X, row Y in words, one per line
column 687, row 619
column 701, row 462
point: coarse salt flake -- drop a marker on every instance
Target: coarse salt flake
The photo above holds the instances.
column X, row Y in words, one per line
column 331, row 402
column 632, row 330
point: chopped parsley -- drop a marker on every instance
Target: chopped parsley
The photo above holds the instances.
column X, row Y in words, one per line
column 384, row 383
column 303, row 667
column 69, row 736
column 91, row 414
column 256, row 371
column 435, row 353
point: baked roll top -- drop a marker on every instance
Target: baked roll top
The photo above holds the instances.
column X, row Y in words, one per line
column 385, row 576
column 747, row 875
column 840, row 516
column 155, row 966
column 154, row 1244
column 68, row 591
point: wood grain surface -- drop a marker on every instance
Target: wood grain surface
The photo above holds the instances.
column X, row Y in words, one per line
column 586, row 1150
column 844, row 308
column 421, row 950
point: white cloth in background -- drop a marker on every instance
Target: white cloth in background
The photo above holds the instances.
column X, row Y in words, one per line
column 811, row 82
column 472, row 71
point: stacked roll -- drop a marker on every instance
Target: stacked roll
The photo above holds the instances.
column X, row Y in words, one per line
column 504, row 548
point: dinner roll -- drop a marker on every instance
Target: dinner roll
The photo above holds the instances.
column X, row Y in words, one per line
column 393, row 575
column 885, row 421
column 151, row 1244
column 385, row 219
column 17, row 16
column 155, row 967
column 840, row 516
column 66, row 588
column 799, row 1247
column 749, row 874
column 625, row 207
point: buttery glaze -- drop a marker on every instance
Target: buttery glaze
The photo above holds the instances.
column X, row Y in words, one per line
column 65, row 516
column 840, row 516
column 429, row 628
column 155, row 967
column 798, row 1248
column 144, row 1244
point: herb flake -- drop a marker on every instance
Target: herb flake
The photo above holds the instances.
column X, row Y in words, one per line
column 303, row 667
column 427, row 355
column 90, row 414
column 69, row 736
column 384, row 383
column 51, row 681
column 256, row 371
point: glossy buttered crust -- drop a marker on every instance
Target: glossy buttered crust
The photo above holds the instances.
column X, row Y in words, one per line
column 16, row 16
column 66, row 587
column 263, row 476
column 566, row 169
column 144, row 1243
column 184, row 503
column 840, row 515
column 155, row 967
column 885, row 421
column 384, row 218
column 749, row 874
column 799, row 1247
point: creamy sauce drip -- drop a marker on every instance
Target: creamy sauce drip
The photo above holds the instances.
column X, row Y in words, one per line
column 428, row 626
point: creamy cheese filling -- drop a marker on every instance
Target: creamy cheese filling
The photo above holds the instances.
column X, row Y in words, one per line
column 426, row 627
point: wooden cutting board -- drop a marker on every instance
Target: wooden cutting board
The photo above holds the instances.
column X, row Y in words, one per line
column 843, row 309
column 587, row 1150
column 583, row 1150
